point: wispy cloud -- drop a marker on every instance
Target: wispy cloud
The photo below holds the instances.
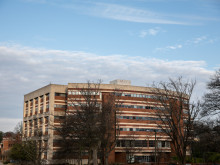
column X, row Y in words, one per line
column 194, row 41
column 126, row 13
column 151, row 32
column 199, row 40
column 168, row 48
column 131, row 14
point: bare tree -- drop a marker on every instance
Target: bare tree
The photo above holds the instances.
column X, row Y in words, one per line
column 87, row 114
column 67, row 139
column 132, row 146
column 177, row 114
column 109, row 130
column 89, row 125
column 19, row 128
column 211, row 104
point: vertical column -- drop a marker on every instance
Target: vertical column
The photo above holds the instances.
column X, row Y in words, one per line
column 29, row 107
column 43, row 125
column 33, row 107
column 44, row 103
column 50, row 123
column 27, row 128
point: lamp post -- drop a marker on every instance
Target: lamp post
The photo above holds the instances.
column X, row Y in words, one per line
column 155, row 144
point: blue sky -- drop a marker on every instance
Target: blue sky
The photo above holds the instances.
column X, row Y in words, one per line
column 61, row 41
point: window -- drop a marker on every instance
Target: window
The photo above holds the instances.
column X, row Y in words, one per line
column 151, row 143
column 185, row 111
column 130, row 158
column 167, row 144
column 40, row 120
column 142, row 159
column 59, row 106
column 159, row 144
column 59, row 117
column 60, row 94
column 138, row 143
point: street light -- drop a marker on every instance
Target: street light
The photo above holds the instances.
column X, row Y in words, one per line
column 155, row 144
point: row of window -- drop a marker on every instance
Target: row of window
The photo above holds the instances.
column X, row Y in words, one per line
column 83, row 93
column 141, row 159
column 139, row 107
column 142, row 143
column 59, row 106
column 37, row 109
column 136, row 95
column 185, row 101
column 35, row 121
column 59, row 117
column 60, row 94
column 36, row 99
column 140, row 118
column 141, row 129
column 96, row 104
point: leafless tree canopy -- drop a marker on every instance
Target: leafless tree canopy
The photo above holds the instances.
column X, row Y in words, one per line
column 177, row 113
column 211, row 105
column 88, row 128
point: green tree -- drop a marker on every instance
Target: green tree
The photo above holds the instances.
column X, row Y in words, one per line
column 1, row 136
column 17, row 152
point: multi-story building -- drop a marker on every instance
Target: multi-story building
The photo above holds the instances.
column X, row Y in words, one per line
column 137, row 120
column 9, row 139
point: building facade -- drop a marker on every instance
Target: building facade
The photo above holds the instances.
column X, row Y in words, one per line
column 9, row 139
column 137, row 120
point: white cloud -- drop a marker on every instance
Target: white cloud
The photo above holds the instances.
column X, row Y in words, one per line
column 126, row 13
column 199, row 39
column 194, row 41
column 168, row 48
column 130, row 14
column 24, row 69
column 143, row 33
column 152, row 32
